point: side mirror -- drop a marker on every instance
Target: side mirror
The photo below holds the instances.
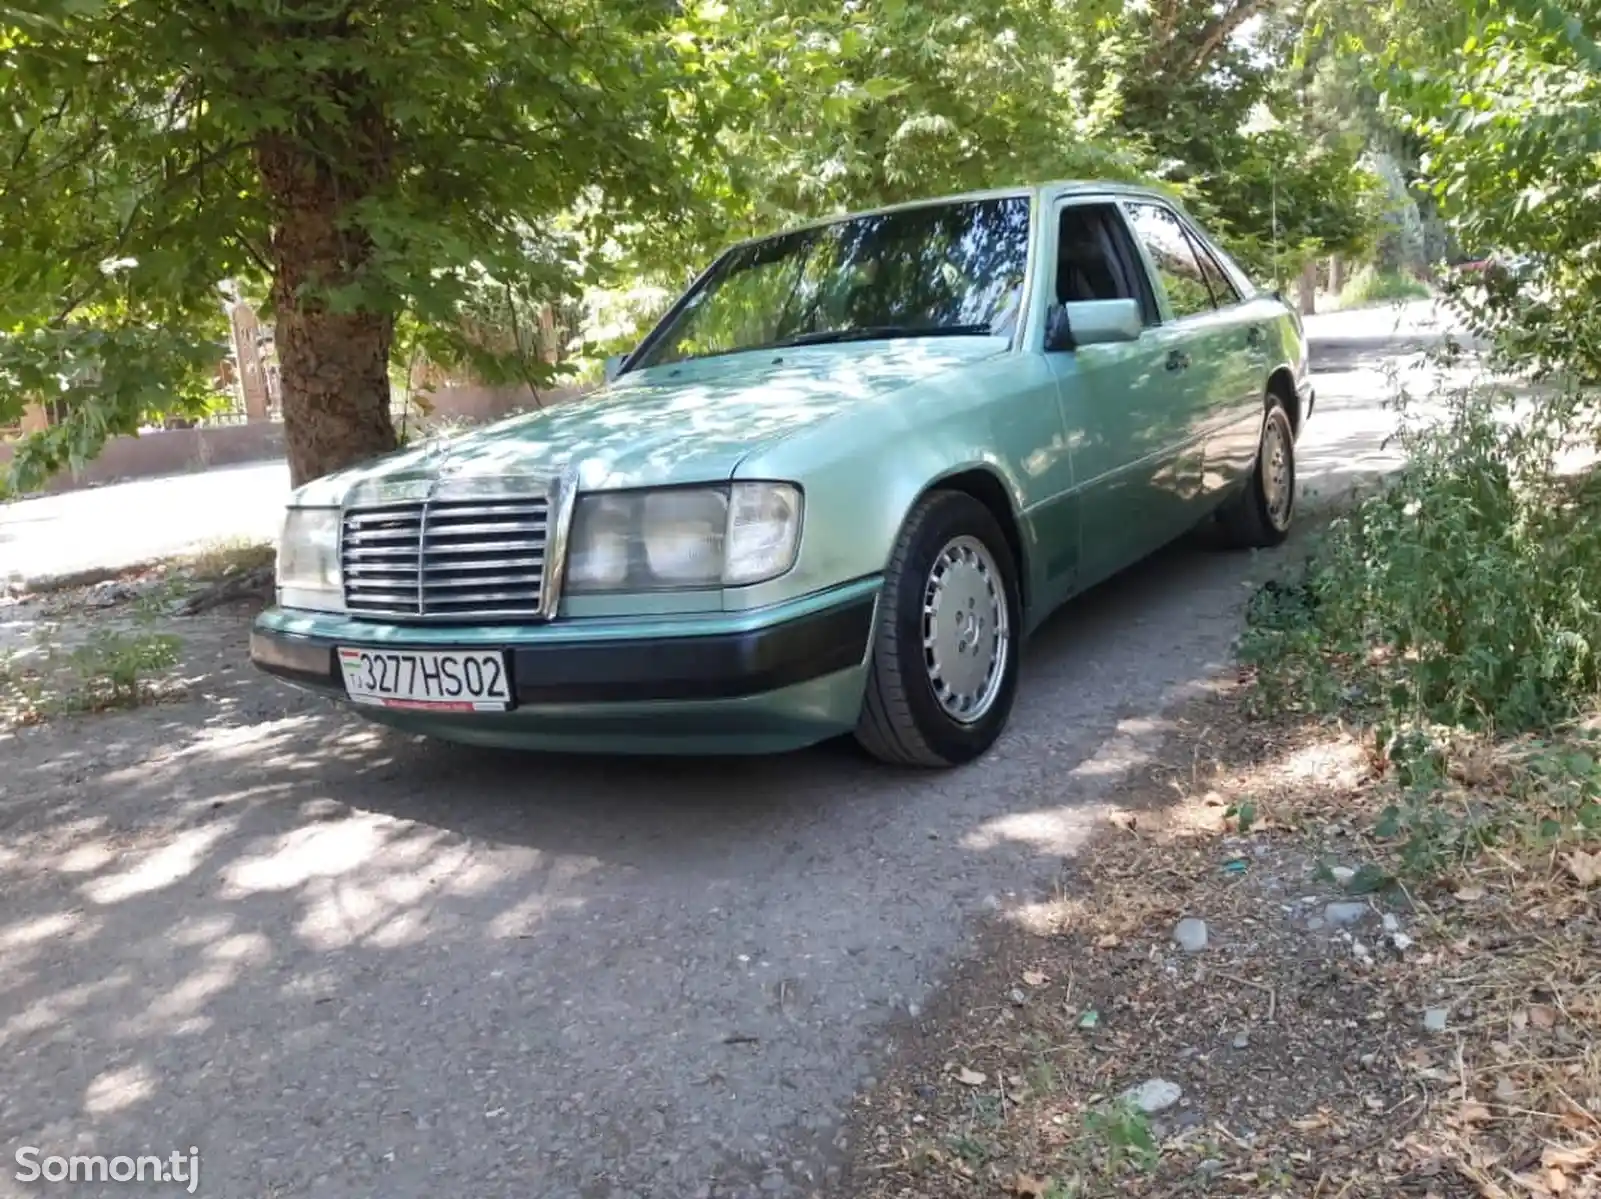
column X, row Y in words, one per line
column 1092, row 322
column 613, row 364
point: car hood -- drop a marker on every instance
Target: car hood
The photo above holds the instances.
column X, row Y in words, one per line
column 682, row 423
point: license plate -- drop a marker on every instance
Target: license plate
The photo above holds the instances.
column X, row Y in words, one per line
column 436, row 680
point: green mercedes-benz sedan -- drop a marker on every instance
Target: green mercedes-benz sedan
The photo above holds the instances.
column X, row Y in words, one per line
column 832, row 491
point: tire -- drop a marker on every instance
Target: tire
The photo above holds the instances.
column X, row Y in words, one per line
column 1256, row 518
column 905, row 721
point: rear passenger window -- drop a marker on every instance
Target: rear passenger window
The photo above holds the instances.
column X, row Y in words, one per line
column 1174, row 258
column 1223, row 289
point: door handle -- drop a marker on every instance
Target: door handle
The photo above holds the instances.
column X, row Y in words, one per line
column 1177, row 360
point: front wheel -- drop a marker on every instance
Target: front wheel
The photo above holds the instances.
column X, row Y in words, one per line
column 945, row 651
column 1259, row 516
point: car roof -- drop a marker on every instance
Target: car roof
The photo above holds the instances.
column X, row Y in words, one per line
column 1047, row 190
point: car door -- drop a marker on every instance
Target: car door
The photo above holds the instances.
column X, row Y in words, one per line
column 1232, row 437
column 1123, row 418
column 1205, row 339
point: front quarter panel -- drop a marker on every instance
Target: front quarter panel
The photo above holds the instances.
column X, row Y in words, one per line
column 862, row 473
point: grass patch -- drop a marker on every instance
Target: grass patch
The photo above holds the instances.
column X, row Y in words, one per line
column 108, row 671
column 1370, row 286
column 227, row 559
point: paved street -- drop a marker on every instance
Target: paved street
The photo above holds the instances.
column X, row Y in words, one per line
column 347, row 963
column 126, row 523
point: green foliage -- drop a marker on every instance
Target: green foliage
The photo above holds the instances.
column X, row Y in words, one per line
column 114, row 668
column 1372, row 286
column 430, row 159
column 1124, row 1134
column 111, row 669
column 1462, row 597
column 1464, row 594
column 1506, row 109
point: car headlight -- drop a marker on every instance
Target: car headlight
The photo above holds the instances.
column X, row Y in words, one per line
column 682, row 538
column 308, row 560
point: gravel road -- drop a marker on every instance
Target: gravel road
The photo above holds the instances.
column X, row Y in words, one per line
column 342, row 962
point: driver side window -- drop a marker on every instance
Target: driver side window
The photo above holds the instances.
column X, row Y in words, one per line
column 1096, row 261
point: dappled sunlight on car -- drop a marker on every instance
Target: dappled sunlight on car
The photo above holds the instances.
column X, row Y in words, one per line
column 647, row 421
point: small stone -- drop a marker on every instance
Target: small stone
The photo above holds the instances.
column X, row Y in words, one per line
column 1017, row 997
column 1340, row 914
column 913, row 1010
column 1391, row 924
column 1401, row 941
column 1434, row 1020
column 992, row 902
column 1190, row 935
column 1316, row 923
column 1154, row 1095
column 1242, row 1039
column 1370, row 1061
column 1343, row 875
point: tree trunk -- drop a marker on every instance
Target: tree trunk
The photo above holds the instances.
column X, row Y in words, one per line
column 1336, row 274
column 1308, row 288
column 334, row 366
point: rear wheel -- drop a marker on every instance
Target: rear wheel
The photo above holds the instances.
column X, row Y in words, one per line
column 945, row 651
column 1259, row 516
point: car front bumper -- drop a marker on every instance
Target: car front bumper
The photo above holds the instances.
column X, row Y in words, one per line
column 754, row 682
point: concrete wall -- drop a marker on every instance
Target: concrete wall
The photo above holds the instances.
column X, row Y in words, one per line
column 176, row 451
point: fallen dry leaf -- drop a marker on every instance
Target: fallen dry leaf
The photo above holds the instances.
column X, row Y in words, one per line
column 1106, row 941
column 1556, row 1181
column 971, row 1078
column 1034, row 978
column 1470, row 894
column 1585, row 867
column 1542, row 1016
column 1472, row 1112
column 1029, row 1187
column 1557, row 1157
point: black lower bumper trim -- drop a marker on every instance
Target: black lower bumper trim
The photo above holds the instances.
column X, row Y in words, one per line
column 717, row 666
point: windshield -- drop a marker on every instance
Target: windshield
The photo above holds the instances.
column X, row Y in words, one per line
column 935, row 270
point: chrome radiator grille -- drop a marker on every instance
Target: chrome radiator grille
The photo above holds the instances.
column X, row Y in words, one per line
column 470, row 559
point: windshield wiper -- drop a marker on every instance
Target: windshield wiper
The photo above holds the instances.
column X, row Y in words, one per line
column 878, row 332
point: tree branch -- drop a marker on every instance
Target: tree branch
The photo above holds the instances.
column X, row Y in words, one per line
column 1219, row 31
column 99, row 280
